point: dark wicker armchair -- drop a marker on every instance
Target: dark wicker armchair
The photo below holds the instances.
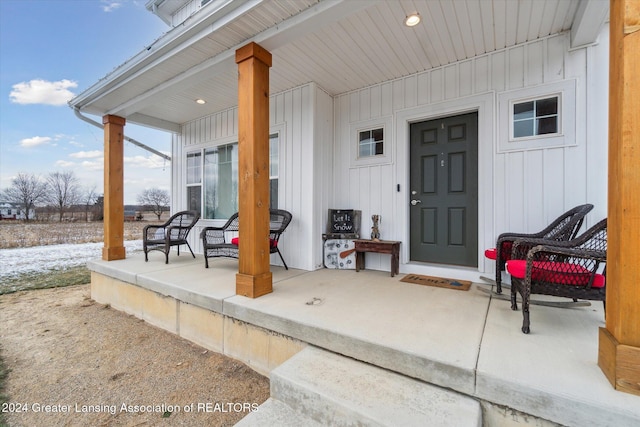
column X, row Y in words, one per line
column 572, row 269
column 174, row 232
column 565, row 227
column 223, row 241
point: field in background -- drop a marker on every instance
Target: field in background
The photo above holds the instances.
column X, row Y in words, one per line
column 19, row 234
column 34, row 268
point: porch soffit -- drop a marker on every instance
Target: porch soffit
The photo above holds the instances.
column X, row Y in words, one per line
column 340, row 45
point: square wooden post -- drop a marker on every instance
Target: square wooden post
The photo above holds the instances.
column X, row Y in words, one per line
column 113, row 188
column 254, row 275
column 619, row 342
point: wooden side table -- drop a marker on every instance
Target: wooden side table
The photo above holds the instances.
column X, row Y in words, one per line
column 380, row 247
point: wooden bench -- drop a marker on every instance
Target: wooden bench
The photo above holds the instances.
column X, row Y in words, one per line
column 380, row 247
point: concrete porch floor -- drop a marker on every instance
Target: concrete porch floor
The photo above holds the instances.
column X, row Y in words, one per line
column 463, row 341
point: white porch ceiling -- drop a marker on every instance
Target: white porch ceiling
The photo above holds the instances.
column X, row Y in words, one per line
column 340, row 45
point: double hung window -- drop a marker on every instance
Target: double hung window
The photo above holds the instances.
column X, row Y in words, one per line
column 212, row 179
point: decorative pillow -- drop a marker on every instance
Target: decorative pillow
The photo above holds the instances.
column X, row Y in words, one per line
column 555, row 272
column 491, row 253
column 506, row 251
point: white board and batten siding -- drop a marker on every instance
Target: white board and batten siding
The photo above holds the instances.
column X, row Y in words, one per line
column 520, row 189
column 303, row 118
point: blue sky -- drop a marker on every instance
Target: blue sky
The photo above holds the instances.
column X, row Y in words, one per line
column 51, row 50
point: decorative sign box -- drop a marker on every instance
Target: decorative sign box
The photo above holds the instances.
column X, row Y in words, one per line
column 340, row 254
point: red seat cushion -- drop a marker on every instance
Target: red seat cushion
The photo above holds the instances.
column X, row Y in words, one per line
column 555, row 272
column 236, row 241
column 491, row 253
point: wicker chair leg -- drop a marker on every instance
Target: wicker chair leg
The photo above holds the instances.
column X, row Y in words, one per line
column 498, row 278
column 514, row 304
column 525, row 320
column 189, row 246
column 526, row 295
column 285, row 264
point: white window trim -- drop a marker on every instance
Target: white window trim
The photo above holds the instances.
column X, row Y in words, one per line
column 354, row 137
column 566, row 135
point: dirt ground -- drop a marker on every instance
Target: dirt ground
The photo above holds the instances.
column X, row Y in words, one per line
column 74, row 362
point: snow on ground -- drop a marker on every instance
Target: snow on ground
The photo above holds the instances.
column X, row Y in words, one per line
column 36, row 259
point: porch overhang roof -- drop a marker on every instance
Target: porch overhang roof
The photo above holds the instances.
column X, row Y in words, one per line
column 342, row 45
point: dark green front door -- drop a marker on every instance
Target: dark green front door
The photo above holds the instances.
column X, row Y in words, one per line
column 444, row 190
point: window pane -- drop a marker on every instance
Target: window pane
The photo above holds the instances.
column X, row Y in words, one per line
column 193, row 198
column 364, row 150
column 547, row 107
column 273, row 193
column 523, row 128
column 221, row 181
column 194, row 174
column 274, row 165
column 523, row 110
column 377, row 134
column 547, row 125
column 274, row 169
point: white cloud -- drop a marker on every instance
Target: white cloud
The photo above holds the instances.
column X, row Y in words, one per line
column 109, row 6
column 151, row 162
column 86, row 154
column 43, row 92
column 93, row 165
column 35, row 141
column 64, row 164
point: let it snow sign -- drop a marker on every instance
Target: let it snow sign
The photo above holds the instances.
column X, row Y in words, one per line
column 342, row 221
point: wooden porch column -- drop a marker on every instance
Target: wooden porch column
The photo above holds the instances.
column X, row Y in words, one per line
column 619, row 342
column 113, row 188
column 254, row 275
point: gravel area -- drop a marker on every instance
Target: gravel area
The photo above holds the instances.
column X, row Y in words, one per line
column 74, row 362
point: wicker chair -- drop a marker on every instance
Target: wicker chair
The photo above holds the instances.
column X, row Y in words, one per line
column 572, row 269
column 223, row 241
column 565, row 227
column 174, row 232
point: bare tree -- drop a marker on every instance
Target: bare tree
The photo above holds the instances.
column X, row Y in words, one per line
column 157, row 199
column 26, row 191
column 63, row 191
column 89, row 198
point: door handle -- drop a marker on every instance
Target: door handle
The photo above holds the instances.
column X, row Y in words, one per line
column 415, row 202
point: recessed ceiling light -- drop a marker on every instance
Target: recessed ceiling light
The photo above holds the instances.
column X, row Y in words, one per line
column 412, row 20
column 201, row 101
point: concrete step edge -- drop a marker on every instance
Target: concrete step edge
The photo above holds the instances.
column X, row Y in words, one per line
column 276, row 413
column 337, row 390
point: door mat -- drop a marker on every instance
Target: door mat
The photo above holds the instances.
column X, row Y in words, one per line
column 440, row 282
